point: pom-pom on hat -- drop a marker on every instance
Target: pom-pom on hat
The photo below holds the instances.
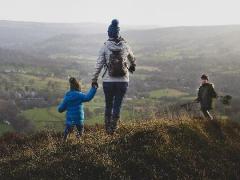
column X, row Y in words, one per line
column 113, row 29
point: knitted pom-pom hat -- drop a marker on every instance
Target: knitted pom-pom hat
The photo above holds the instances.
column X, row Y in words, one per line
column 113, row 29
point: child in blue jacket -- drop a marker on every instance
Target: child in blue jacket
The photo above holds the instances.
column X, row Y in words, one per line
column 73, row 104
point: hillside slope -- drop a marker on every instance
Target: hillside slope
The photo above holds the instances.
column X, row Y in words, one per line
column 147, row 150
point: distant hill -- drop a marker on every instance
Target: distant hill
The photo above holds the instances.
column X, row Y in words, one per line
column 186, row 149
column 174, row 42
column 190, row 42
column 16, row 34
column 216, row 42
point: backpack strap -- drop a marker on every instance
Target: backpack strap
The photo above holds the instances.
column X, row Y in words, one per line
column 106, row 68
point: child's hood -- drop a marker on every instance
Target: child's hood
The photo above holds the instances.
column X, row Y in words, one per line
column 72, row 95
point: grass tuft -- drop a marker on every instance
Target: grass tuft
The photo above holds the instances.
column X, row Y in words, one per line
column 186, row 149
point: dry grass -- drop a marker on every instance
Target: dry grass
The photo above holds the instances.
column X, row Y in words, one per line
column 183, row 149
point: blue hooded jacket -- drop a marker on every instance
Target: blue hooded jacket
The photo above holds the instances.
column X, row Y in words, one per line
column 73, row 104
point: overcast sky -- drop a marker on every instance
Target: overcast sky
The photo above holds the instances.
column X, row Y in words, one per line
column 129, row 12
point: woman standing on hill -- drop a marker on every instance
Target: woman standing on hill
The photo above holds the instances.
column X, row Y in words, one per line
column 113, row 59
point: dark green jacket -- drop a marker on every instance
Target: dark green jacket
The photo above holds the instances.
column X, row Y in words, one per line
column 206, row 93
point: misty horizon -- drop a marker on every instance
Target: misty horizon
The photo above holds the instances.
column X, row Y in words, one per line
column 136, row 26
column 130, row 13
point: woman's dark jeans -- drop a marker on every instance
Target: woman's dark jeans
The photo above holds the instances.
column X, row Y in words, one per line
column 114, row 94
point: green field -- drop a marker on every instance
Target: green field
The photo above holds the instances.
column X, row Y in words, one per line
column 45, row 118
column 132, row 110
column 42, row 83
column 21, row 80
column 5, row 128
column 167, row 93
column 50, row 118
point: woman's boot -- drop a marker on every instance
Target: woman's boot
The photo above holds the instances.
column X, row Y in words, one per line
column 108, row 120
column 114, row 124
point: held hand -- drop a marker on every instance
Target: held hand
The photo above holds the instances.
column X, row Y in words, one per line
column 132, row 68
column 94, row 84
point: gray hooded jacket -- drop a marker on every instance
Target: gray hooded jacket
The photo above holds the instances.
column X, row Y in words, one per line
column 104, row 56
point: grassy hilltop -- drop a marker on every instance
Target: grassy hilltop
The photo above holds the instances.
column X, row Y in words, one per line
column 160, row 149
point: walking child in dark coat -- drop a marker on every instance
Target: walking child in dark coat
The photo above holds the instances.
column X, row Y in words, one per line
column 206, row 93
